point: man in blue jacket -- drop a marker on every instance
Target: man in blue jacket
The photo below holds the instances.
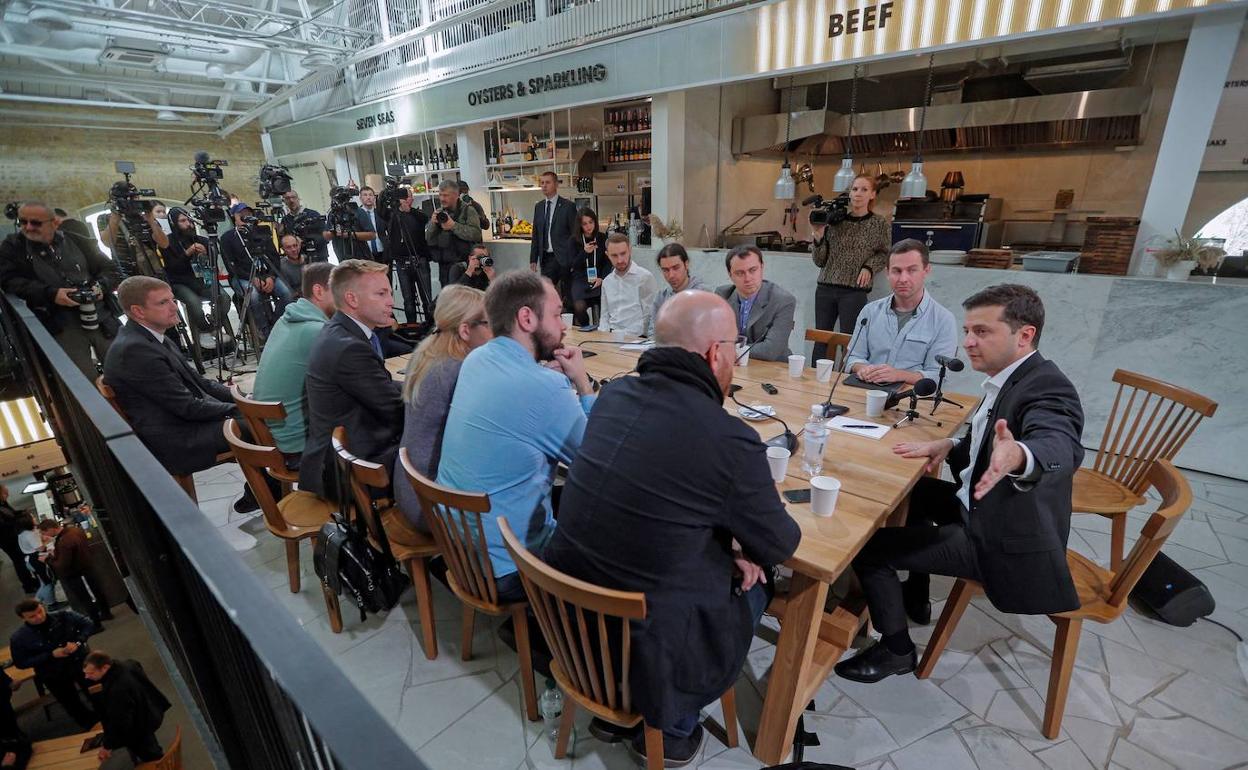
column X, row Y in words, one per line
column 54, row 644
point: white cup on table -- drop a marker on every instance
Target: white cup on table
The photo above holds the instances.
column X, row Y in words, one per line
column 796, row 364
column 823, row 369
column 778, row 460
column 743, row 355
column 876, row 399
column 823, row 493
column 567, row 320
column 618, row 335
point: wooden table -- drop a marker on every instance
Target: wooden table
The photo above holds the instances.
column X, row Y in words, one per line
column 64, row 754
column 18, row 675
column 874, row 484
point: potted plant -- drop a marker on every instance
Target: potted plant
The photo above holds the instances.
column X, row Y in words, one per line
column 666, row 233
column 1179, row 255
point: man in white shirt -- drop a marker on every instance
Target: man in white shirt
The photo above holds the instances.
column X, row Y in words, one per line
column 1008, row 535
column 628, row 292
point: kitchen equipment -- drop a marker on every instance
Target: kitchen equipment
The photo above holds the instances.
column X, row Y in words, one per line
column 899, row 174
column 735, row 233
column 951, row 186
column 1050, row 261
column 947, row 257
column 959, row 226
column 882, row 179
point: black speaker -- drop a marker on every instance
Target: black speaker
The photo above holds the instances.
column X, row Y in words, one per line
column 1172, row 593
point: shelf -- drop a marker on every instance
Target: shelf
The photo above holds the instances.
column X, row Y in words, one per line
column 618, row 134
column 431, row 172
column 627, row 165
column 530, row 163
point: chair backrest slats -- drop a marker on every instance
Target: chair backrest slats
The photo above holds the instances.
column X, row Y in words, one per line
column 574, row 649
column 254, row 461
column 1150, row 420
column 362, row 476
column 626, row 666
column 454, row 518
column 1176, row 498
column 257, row 414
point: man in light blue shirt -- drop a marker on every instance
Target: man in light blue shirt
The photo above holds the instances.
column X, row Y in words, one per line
column 519, row 410
column 897, row 338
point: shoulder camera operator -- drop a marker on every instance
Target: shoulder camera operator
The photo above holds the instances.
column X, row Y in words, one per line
column 454, row 229
column 351, row 227
column 251, row 259
column 409, row 250
column 134, row 233
column 186, row 261
column 479, row 271
column 851, row 246
column 293, row 261
column 306, row 223
column 65, row 281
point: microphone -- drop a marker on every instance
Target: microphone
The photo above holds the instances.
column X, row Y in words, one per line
column 921, row 389
column 786, row 440
column 952, row 363
column 202, row 157
column 816, row 198
column 830, row 409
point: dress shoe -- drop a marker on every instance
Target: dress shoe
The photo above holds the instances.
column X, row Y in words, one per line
column 247, row 503
column 917, row 603
column 677, row 752
column 876, row 663
column 609, row 732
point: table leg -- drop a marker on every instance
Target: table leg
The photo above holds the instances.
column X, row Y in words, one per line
column 795, row 650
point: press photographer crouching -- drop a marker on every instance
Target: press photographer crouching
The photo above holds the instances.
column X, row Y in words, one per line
column 66, row 282
column 251, row 259
column 454, row 229
column 479, row 271
column 186, row 264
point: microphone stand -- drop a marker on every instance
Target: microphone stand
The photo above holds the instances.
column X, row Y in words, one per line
column 835, row 410
column 786, row 440
column 939, row 397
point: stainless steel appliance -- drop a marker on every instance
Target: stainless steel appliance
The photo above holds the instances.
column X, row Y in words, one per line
column 971, row 222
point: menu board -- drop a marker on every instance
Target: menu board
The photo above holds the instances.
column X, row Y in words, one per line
column 1227, row 149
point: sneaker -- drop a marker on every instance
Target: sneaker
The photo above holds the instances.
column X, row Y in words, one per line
column 609, row 732
column 677, row 752
column 247, row 503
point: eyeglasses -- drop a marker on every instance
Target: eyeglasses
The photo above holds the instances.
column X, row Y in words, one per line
column 32, row 222
column 738, row 342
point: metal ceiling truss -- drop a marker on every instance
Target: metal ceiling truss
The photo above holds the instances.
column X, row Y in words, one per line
column 96, row 80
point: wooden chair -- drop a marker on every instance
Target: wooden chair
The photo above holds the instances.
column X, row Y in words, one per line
column 454, row 517
column 836, row 342
column 172, row 760
column 297, row 516
column 387, row 524
column 257, row 414
column 184, row 480
column 1102, row 593
column 577, row 619
column 1150, row 420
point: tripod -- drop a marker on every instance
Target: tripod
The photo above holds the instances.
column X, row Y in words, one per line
column 248, row 292
column 417, row 306
column 939, row 397
column 912, row 413
column 214, row 293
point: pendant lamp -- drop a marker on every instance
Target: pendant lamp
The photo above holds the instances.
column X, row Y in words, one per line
column 786, row 187
column 915, row 183
column 845, row 174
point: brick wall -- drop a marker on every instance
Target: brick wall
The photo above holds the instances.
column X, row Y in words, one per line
column 73, row 167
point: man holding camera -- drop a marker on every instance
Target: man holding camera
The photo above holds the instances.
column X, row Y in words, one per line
column 409, row 251
column 186, row 252
column 65, row 281
column 453, row 230
column 134, row 233
column 252, row 260
column 304, row 222
column 480, row 270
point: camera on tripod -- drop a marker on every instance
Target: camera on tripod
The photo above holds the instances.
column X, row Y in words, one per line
column 125, row 198
column 342, row 209
column 10, row 210
column 391, row 194
column 88, row 313
column 827, row 212
column 274, row 181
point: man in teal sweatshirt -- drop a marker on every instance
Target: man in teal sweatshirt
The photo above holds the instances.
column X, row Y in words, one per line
column 285, row 360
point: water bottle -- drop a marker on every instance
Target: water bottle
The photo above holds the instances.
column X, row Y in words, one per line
column 814, row 439
column 550, row 706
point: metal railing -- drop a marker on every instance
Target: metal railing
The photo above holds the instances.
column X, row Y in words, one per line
column 270, row 697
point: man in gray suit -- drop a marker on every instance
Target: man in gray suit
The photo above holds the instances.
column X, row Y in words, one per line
column 764, row 310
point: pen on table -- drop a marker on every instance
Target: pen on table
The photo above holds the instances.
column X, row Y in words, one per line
column 867, row 427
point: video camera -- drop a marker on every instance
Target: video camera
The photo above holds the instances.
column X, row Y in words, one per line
column 208, row 171
column 274, row 181
column 342, row 209
column 391, row 194
column 125, row 198
column 11, row 209
column 308, row 227
column 88, row 313
column 827, row 212
column 210, row 207
column 259, row 242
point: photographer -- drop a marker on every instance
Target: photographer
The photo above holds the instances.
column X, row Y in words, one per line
column 293, row 262
column 409, row 250
column 252, row 260
column 133, row 233
column 480, row 270
column 849, row 252
column 352, row 227
column 306, row 223
column 466, row 198
column 186, row 252
column 65, row 281
column 453, row 230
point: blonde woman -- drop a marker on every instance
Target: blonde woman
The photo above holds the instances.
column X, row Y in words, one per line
column 460, row 326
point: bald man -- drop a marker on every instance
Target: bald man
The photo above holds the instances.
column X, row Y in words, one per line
column 694, row 523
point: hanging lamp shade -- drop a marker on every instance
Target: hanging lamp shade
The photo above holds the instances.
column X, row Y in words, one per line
column 844, row 175
column 915, row 183
column 786, row 186
column 844, row 178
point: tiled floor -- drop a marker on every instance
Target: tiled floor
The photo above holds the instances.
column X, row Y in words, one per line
column 1144, row 694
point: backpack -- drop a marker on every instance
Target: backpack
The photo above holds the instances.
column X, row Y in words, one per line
column 346, row 562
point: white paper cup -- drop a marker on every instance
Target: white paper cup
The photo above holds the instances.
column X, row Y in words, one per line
column 567, row 320
column 875, row 402
column 823, row 493
column 778, row 459
column 823, row 369
column 796, row 364
column 743, row 355
column 618, row 335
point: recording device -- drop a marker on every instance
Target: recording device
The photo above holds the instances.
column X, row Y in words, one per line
column 487, row 261
column 952, row 363
column 250, row 231
column 207, row 199
column 88, row 313
column 125, row 198
column 922, row 389
column 391, row 194
column 10, row 210
column 342, row 209
column 441, row 216
column 206, row 170
column 834, row 410
column 274, row 181
column 307, row 227
column 827, row 212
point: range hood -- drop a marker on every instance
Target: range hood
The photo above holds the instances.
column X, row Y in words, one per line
column 1110, row 116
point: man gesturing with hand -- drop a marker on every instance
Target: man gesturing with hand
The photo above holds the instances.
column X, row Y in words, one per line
column 1005, row 518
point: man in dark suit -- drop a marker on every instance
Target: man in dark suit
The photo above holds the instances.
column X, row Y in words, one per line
column 368, row 220
column 176, row 412
column 689, row 522
column 554, row 224
column 764, row 311
column 1005, row 520
column 347, row 382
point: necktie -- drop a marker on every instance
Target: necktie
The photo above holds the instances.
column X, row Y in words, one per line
column 376, row 343
column 550, row 220
column 376, row 243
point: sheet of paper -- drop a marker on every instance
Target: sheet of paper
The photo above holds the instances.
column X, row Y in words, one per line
column 842, row 424
column 638, row 345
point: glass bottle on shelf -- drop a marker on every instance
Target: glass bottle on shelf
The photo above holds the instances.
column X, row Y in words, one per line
column 507, row 223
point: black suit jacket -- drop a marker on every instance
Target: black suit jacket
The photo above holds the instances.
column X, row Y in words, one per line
column 362, row 225
column 563, row 227
column 641, row 512
column 347, row 384
column 1020, row 528
column 174, row 410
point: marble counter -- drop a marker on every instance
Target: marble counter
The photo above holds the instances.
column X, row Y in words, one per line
column 1191, row 334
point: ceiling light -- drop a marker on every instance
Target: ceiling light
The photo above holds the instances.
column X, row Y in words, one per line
column 214, row 70
column 316, row 60
column 168, row 116
column 845, row 175
column 50, row 19
column 786, row 187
